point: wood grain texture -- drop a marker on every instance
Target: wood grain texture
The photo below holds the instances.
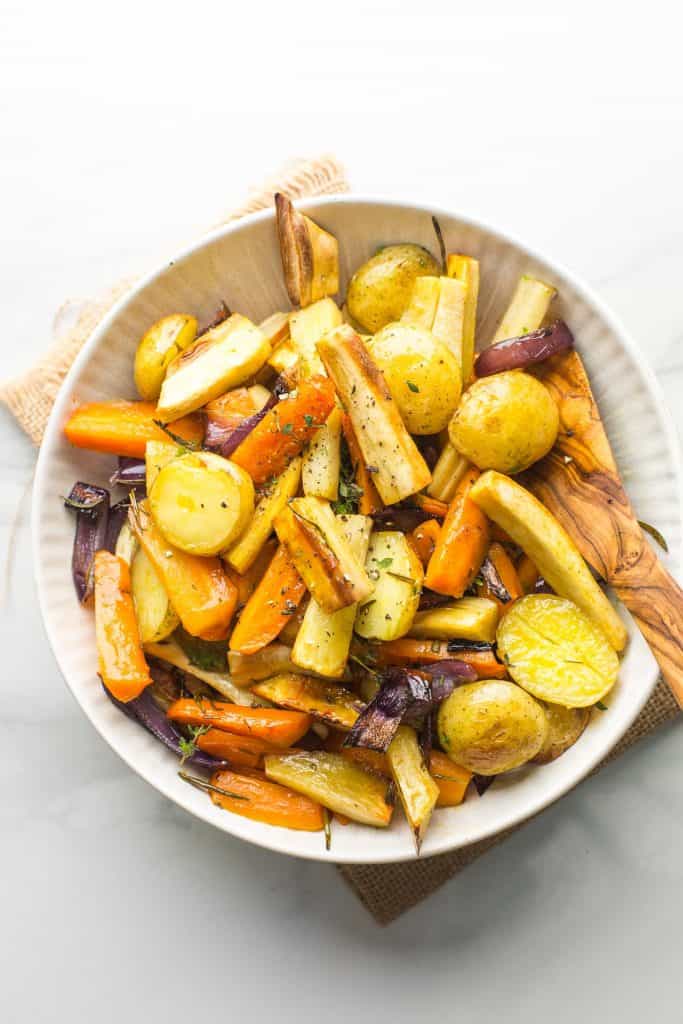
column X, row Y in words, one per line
column 579, row 482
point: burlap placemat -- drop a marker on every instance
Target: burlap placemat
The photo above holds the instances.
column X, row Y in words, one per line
column 386, row 890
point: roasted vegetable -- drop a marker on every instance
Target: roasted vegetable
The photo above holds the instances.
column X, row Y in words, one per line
column 528, row 349
column 202, row 502
column 470, row 618
column 246, row 669
column 407, row 651
column 437, row 305
column 230, row 418
column 221, row 681
column 447, row 473
column 424, row 538
column 565, row 726
column 399, row 690
column 154, row 612
column 491, row 726
column 466, row 270
column 159, row 346
column 124, row 428
column 500, row 582
column 361, row 487
column 462, row 544
column 380, row 289
column 306, row 328
column 281, row 728
column 505, row 422
column 275, row 328
column 336, row 783
column 557, row 558
column 384, row 441
column 285, row 429
column 527, row 309
column 268, row 609
column 324, row 638
column 200, row 592
column 315, row 540
column 422, row 373
column 91, row 505
column 126, row 543
column 417, row 789
column 451, row 779
column 121, row 663
column 251, row 795
column 130, row 472
column 322, row 459
column 325, row 701
column 553, row 650
column 223, row 358
column 397, row 575
column 246, row 550
column 310, row 255
column 157, row 455
column 240, row 751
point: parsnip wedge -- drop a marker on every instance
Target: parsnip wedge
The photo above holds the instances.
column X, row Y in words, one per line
column 527, row 309
column 315, row 540
column 325, row 701
column 244, row 553
column 171, row 652
column 306, row 328
column 157, row 455
column 275, row 328
column 437, row 304
column 469, row 618
column 538, row 533
column 223, row 358
column 335, row 782
column 466, row 270
column 398, row 468
column 447, row 473
column 322, row 459
column 397, row 571
column 324, row 638
column 416, row 788
column 310, row 255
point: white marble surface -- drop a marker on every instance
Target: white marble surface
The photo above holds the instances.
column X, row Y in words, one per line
column 124, row 134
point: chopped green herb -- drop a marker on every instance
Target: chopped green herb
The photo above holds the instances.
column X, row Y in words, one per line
column 187, row 446
column 209, row 655
column 207, row 787
column 385, row 563
column 413, row 387
column 189, row 747
column 287, row 429
column 600, row 706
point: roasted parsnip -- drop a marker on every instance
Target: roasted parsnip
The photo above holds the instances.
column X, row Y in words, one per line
column 470, row 618
column 466, row 270
column 310, row 256
column 416, row 788
column 527, row 309
column 397, row 573
column 325, row 701
column 322, row 458
column 307, row 327
column 247, row 548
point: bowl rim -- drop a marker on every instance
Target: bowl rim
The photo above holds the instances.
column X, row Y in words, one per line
column 53, row 428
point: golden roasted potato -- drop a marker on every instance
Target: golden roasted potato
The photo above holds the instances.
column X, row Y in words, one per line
column 380, row 289
column 422, row 373
column 202, row 502
column 556, row 652
column 159, row 346
column 565, row 725
column 491, row 726
column 506, row 422
column 153, row 610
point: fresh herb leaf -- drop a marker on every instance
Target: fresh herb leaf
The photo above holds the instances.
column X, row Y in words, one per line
column 187, row 446
column 654, row 532
column 209, row 655
column 208, row 787
column 413, row 387
column 349, row 491
column 189, row 747
column 385, row 563
column 600, row 706
column 287, row 429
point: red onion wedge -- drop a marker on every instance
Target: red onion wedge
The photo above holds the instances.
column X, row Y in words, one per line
column 224, row 440
column 491, row 578
column 91, row 505
column 130, row 472
column 517, row 353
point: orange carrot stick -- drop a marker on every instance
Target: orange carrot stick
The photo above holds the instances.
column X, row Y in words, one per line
column 199, row 590
column 451, row 779
column 283, row 432
column 252, row 795
column 121, row 663
column 243, row 751
column 507, row 574
column 527, row 573
column 124, row 428
column 248, row 581
column 267, row 611
column 275, row 725
column 424, row 539
column 499, row 534
column 370, row 500
column 436, row 508
column 462, row 544
column 407, row 651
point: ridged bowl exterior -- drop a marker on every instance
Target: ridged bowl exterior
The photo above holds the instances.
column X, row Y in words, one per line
column 241, row 265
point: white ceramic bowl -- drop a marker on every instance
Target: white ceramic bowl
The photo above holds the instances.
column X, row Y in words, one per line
column 241, row 264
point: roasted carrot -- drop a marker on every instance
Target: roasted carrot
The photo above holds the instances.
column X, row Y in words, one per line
column 121, row 662
column 201, row 594
column 462, row 544
column 507, row 574
column 527, row 573
column 424, row 538
column 283, row 432
column 373, row 760
column 243, row 751
column 436, row 508
column 232, row 408
column 124, row 428
column 289, row 634
column 369, row 500
column 499, row 534
column 407, row 651
column 252, row 795
column 246, row 583
column 268, row 609
column 451, row 779
column 276, row 726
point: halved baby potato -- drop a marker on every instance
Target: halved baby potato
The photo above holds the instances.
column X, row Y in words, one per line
column 555, row 652
column 565, row 725
column 159, row 346
column 153, row 610
column 202, row 502
column 380, row 289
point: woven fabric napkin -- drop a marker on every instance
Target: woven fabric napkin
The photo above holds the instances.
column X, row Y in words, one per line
column 386, row 890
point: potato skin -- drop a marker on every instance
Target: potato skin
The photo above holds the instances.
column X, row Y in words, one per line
column 422, row 373
column 505, row 422
column 491, row 726
column 380, row 289
column 159, row 346
column 565, row 725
